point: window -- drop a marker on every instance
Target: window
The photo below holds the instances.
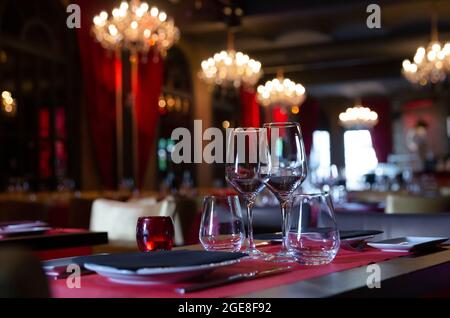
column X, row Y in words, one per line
column 175, row 111
column 320, row 154
column 360, row 157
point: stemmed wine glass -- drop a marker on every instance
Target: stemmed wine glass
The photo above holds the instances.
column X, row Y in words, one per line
column 243, row 163
column 285, row 172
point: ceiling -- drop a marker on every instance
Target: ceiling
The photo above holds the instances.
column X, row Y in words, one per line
column 324, row 44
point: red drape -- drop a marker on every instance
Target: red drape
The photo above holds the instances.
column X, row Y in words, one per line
column 150, row 81
column 279, row 115
column 382, row 132
column 250, row 108
column 98, row 68
column 308, row 119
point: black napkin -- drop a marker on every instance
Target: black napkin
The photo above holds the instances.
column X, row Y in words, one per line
column 342, row 234
column 135, row 261
column 358, row 233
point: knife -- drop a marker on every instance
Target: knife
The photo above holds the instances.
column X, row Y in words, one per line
column 232, row 279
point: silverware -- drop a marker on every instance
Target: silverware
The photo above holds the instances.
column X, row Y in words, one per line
column 62, row 273
column 357, row 246
column 232, row 279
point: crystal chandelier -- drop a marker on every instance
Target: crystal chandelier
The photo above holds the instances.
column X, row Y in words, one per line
column 135, row 27
column 231, row 68
column 430, row 64
column 358, row 117
column 282, row 92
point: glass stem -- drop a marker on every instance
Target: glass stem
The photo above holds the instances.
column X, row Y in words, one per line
column 251, row 244
column 285, row 205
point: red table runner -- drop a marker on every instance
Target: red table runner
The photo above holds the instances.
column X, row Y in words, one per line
column 95, row 286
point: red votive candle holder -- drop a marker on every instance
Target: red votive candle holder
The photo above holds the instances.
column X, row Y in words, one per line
column 155, row 233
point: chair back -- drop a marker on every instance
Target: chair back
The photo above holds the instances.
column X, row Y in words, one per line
column 119, row 219
column 21, row 275
column 416, row 204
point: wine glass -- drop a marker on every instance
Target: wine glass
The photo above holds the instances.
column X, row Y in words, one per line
column 285, row 171
column 222, row 227
column 241, row 172
column 313, row 237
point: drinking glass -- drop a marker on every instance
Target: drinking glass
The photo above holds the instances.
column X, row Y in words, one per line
column 285, row 171
column 313, row 237
column 241, row 172
column 222, row 227
column 155, row 233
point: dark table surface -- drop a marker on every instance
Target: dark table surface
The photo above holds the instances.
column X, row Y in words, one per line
column 423, row 275
column 56, row 239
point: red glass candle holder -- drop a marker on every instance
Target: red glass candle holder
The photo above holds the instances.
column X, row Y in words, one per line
column 155, row 233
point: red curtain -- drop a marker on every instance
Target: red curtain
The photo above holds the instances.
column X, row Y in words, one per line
column 279, row 115
column 308, row 119
column 382, row 132
column 98, row 68
column 150, row 81
column 250, row 108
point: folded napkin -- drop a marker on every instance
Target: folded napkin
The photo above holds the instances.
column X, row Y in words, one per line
column 181, row 258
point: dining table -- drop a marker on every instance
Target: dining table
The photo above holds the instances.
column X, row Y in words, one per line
column 351, row 273
column 57, row 242
column 359, row 207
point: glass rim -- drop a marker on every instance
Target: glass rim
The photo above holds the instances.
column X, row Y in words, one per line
column 154, row 217
column 286, row 124
column 248, row 129
column 220, row 196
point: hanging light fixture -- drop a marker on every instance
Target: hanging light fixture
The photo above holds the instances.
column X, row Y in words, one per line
column 231, row 68
column 430, row 64
column 358, row 117
column 136, row 27
column 281, row 91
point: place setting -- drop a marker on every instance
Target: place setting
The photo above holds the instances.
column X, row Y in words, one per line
column 310, row 235
column 272, row 157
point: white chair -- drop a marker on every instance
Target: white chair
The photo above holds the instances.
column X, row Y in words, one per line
column 144, row 201
column 416, row 204
column 119, row 219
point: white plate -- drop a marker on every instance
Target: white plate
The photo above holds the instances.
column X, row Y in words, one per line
column 24, row 231
column 152, row 276
column 408, row 243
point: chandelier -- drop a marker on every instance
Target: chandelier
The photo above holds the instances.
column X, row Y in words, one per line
column 135, row 27
column 282, row 92
column 231, row 68
column 358, row 117
column 430, row 64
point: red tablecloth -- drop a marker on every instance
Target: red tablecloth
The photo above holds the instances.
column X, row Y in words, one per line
column 95, row 286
